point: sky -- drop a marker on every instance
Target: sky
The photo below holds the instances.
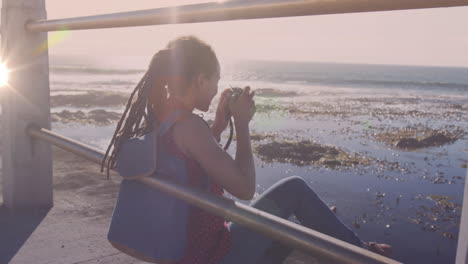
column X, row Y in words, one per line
column 416, row 37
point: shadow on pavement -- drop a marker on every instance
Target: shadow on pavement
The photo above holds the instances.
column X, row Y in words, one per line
column 15, row 228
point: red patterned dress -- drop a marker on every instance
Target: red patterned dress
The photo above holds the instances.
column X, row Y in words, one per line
column 209, row 239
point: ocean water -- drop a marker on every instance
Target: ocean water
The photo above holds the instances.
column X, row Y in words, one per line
column 440, row 80
column 346, row 104
column 432, row 87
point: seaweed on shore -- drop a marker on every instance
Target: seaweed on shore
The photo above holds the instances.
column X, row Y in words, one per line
column 260, row 137
column 268, row 107
column 307, row 153
column 441, row 216
column 96, row 117
column 89, row 99
column 416, row 137
column 270, row 92
column 382, row 108
column 319, row 108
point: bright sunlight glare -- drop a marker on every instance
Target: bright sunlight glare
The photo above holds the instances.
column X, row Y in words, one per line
column 3, row 75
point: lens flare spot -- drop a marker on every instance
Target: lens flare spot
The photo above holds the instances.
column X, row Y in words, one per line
column 3, row 74
column 54, row 38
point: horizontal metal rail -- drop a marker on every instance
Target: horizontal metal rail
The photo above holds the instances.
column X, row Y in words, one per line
column 277, row 228
column 65, row 143
column 234, row 10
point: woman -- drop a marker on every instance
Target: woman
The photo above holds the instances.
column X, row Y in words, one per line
column 184, row 77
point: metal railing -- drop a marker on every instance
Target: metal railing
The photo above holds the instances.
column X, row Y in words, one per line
column 234, row 10
column 297, row 236
column 277, row 228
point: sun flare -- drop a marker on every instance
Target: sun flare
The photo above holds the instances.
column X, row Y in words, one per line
column 3, row 75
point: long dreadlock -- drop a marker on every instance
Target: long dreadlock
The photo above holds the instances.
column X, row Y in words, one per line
column 132, row 124
column 185, row 56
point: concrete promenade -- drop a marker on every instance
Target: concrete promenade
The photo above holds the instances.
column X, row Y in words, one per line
column 74, row 230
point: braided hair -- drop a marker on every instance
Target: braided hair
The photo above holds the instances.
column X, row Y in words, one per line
column 185, row 58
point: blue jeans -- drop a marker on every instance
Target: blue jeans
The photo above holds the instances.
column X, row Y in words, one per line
column 288, row 197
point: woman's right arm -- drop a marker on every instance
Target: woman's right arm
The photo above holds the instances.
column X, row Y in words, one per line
column 235, row 176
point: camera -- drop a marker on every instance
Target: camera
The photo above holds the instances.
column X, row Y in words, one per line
column 233, row 93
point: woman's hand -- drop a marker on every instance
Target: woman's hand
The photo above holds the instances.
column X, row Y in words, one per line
column 222, row 117
column 243, row 108
column 235, row 176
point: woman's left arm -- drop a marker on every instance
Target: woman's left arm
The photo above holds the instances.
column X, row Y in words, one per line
column 221, row 121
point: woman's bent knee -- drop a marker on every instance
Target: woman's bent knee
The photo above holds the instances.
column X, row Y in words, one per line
column 289, row 189
column 293, row 184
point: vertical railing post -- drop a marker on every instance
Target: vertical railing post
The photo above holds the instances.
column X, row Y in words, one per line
column 27, row 164
column 462, row 248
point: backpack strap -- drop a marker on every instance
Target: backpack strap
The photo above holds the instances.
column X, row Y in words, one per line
column 206, row 181
column 169, row 122
column 172, row 118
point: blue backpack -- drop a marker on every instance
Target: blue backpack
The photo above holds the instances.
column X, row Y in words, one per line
column 148, row 224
